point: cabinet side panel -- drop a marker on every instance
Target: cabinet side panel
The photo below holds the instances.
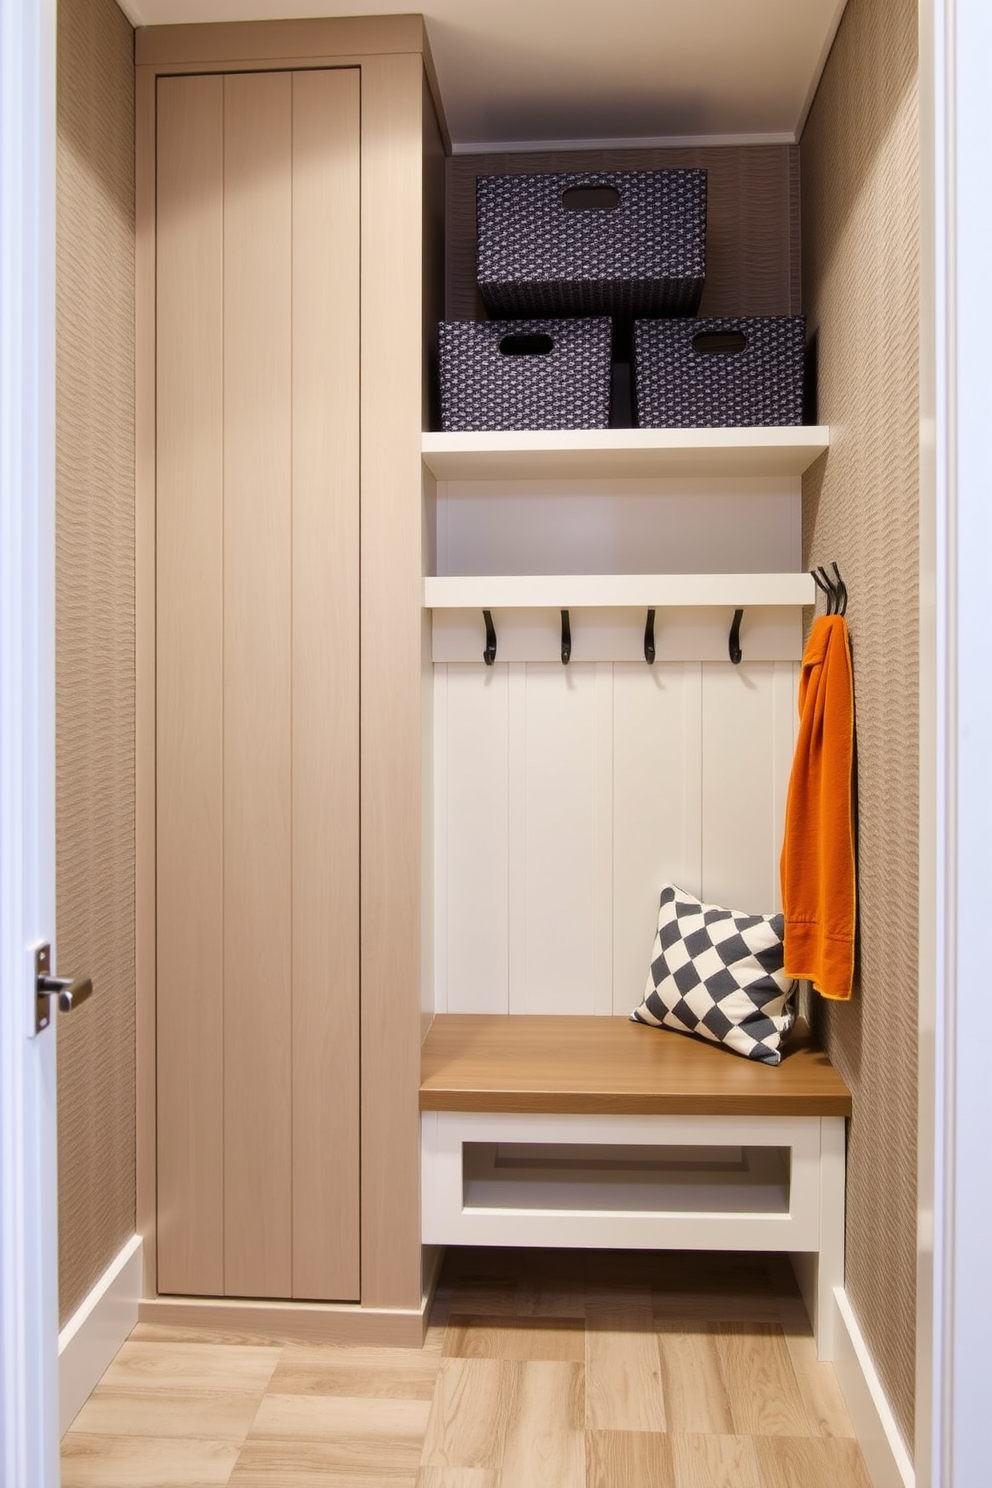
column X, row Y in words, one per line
column 257, row 638
column 392, row 686
column 189, row 710
column 325, row 700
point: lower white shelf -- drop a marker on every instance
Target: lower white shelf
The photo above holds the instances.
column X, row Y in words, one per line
column 545, row 1178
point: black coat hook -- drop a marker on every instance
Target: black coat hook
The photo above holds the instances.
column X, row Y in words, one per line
column 566, row 639
column 841, row 590
column 649, row 651
column 734, row 642
column 819, row 577
column 834, row 588
column 489, row 655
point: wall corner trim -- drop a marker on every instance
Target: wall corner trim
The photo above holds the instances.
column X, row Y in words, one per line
column 882, row 1446
column 96, row 1330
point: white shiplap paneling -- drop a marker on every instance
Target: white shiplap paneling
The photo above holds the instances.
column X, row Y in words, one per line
column 746, row 724
column 567, row 796
column 561, row 844
column 657, row 808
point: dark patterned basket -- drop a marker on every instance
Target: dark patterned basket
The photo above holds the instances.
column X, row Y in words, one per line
column 525, row 374
column 719, row 373
column 644, row 256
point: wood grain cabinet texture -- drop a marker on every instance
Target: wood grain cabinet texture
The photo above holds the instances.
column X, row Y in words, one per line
column 258, row 661
column 282, row 260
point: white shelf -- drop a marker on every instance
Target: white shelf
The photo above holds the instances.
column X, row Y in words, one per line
column 623, row 453
column 584, row 1179
column 575, row 591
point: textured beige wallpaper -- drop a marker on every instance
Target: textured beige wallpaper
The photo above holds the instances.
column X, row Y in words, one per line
column 95, row 635
column 860, row 206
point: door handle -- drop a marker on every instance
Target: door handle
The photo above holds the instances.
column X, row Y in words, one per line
column 70, row 991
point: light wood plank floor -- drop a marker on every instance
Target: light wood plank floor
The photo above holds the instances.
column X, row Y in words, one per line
column 542, row 1369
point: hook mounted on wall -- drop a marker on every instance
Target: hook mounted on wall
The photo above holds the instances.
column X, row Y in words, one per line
column 834, row 588
column 734, row 641
column 489, row 655
column 566, row 639
column 649, row 650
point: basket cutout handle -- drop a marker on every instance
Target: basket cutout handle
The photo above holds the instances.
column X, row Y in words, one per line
column 590, row 199
column 526, row 343
column 719, row 343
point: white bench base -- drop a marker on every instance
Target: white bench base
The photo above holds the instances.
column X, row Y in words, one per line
column 772, row 1183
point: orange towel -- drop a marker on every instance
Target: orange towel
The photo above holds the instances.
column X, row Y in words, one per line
column 818, row 874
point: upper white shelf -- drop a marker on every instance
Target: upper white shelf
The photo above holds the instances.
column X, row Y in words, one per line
column 554, row 454
column 596, row 591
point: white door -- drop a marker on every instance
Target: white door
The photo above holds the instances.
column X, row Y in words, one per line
column 28, row 1225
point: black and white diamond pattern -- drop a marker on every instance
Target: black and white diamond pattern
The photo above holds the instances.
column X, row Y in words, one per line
column 718, row 974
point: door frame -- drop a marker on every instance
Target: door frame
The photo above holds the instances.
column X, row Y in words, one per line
column 954, row 1312
column 29, row 1438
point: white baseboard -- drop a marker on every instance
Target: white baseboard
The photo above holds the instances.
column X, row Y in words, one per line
column 884, row 1451
column 96, row 1330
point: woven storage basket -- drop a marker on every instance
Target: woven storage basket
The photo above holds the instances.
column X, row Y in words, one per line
column 525, row 374
column 644, row 256
column 722, row 372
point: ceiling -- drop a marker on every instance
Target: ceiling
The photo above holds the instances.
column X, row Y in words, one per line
column 516, row 73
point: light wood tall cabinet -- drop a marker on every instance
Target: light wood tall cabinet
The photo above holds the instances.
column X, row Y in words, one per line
column 284, row 249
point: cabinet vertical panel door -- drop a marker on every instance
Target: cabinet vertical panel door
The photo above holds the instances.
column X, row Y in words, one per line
column 189, row 548
column 258, row 728
column 326, row 249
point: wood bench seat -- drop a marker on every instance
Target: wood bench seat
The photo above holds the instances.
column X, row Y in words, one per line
column 612, row 1067
column 598, row 1132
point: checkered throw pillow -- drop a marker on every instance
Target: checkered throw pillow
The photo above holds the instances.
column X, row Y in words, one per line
column 718, row 974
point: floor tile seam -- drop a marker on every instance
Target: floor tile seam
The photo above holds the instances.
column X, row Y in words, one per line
column 329, row 1442
column 312, row 1449
column 366, row 1429
column 175, row 1388
column 377, row 1401
column 133, row 1439
column 342, row 1442
column 330, row 1394
column 181, row 1385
